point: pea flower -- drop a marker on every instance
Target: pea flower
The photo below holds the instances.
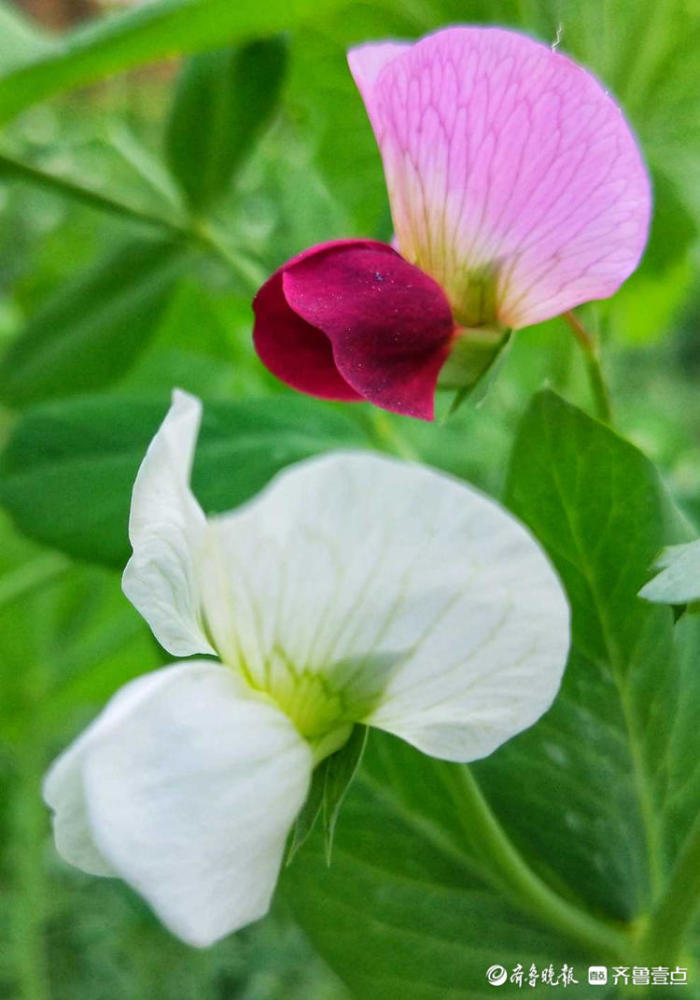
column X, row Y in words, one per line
column 517, row 192
column 354, row 588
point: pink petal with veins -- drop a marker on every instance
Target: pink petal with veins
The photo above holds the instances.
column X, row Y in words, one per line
column 506, row 163
column 353, row 320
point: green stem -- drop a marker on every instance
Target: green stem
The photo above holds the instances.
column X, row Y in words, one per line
column 190, row 231
column 390, row 439
column 670, row 919
column 594, row 368
column 252, row 274
column 521, row 883
column 11, row 167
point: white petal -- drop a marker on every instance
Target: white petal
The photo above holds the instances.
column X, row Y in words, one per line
column 679, row 579
column 63, row 785
column 64, row 793
column 190, row 787
column 428, row 609
column 168, row 534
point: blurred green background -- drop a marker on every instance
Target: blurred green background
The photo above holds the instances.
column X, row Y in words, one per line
column 143, row 198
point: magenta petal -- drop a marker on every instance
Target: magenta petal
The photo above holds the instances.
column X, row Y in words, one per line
column 389, row 324
column 293, row 350
column 507, row 166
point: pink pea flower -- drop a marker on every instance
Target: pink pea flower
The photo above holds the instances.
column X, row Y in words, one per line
column 517, row 192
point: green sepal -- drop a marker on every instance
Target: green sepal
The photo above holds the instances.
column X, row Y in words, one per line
column 329, row 786
column 474, row 361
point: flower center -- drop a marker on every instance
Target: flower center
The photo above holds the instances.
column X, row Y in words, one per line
column 475, row 302
column 323, row 704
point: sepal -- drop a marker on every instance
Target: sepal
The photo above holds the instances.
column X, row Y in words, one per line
column 329, row 785
column 473, row 363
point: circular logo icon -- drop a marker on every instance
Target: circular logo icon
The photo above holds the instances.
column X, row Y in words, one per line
column 496, row 975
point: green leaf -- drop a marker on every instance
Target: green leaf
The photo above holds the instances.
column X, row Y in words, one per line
column 597, row 505
column 67, row 472
column 405, row 910
column 145, row 34
column 92, row 331
column 223, row 101
column 580, row 819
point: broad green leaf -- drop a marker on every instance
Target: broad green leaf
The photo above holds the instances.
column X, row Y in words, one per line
column 679, row 579
column 145, row 34
column 598, row 507
column 346, row 149
column 683, row 754
column 92, row 331
column 68, row 639
column 203, row 345
column 67, row 472
column 407, row 909
column 594, row 800
column 223, row 100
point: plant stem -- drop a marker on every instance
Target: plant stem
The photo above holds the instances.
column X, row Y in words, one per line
column 251, row 273
column 591, row 352
column 390, row 439
column 9, row 166
column 198, row 232
column 670, row 919
column 525, row 888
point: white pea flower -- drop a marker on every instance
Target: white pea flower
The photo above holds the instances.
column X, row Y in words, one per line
column 354, row 588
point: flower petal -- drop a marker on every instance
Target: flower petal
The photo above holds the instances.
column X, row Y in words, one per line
column 679, row 579
column 292, row 349
column 189, row 786
column 389, row 323
column 508, row 167
column 426, row 608
column 167, row 529
column 366, row 63
column 352, row 320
